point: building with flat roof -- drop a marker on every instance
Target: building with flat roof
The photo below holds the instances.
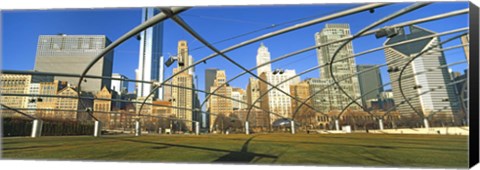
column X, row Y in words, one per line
column 71, row 54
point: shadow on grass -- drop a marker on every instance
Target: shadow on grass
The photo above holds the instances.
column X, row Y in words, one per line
column 30, row 147
column 242, row 156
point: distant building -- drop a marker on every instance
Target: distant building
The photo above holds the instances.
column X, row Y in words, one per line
column 210, row 74
column 72, row 54
column 48, row 103
column 32, row 101
column 120, row 86
column 219, row 105
column 263, row 56
column 240, row 95
column 150, row 62
column 70, row 108
column 370, row 83
column 386, row 100
column 465, row 41
column 167, row 91
column 442, row 101
column 183, row 99
column 333, row 97
column 15, row 84
column 301, row 91
column 258, row 120
column 102, row 108
column 253, row 91
column 276, row 101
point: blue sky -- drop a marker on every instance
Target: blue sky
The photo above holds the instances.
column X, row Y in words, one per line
column 21, row 30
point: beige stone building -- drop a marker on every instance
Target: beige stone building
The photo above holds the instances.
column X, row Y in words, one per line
column 182, row 98
column 305, row 115
column 47, row 103
column 217, row 104
column 276, row 101
column 14, row 84
column 240, row 95
column 70, row 105
column 102, row 108
column 253, row 91
column 70, row 108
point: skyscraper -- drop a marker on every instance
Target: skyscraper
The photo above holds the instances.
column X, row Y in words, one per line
column 333, row 97
column 120, row 86
column 440, row 101
column 276, row 101
column 369, row 81
column 220, row 105
column 210, row 74
column 150, row 63
column 183, row 99
column 263, row 56
column 71, row 54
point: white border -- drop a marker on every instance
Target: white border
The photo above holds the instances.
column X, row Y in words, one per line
column 82, row 4
column 89, row 4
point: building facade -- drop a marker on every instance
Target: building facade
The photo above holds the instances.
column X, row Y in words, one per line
column 183, row 99
column 48, row 103
column 150, row 63
column 305, row 115
column 210, row 74
column 343, row 70
column 276, row 101
column 370, row 83
column 441, row 101
column 15, row 84
column 102, row 108
column 263, row 56
column 219, row 105
column 253, row 91
column 71, row 54
column 240, row 95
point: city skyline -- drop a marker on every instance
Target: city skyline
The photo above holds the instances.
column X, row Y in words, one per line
column 378, row 84
column 273, row 46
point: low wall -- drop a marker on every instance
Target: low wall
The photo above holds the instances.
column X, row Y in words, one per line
column 433, row 130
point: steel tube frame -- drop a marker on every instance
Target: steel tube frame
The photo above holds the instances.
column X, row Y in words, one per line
column 410, row 76
column 369, row 51
column 18, row 111
column 279, row 32
column 432, row 18
column 411, row 60
column 381, row 21
column 145, row 25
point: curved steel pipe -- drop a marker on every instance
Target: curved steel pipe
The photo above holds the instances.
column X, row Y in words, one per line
column 275, row 33
column 422, row 20
column 154, row 20
column 411, row 60
column 381, row 21
column 369, row 51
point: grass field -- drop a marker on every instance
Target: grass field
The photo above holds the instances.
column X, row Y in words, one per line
column 339, row 149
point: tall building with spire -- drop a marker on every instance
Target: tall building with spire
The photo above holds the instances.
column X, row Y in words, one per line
column 150, row 63
column 332, row 98
column 182, row 98
column 263, row 56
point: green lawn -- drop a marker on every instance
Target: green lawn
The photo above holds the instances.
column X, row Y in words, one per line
column 313, row 149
